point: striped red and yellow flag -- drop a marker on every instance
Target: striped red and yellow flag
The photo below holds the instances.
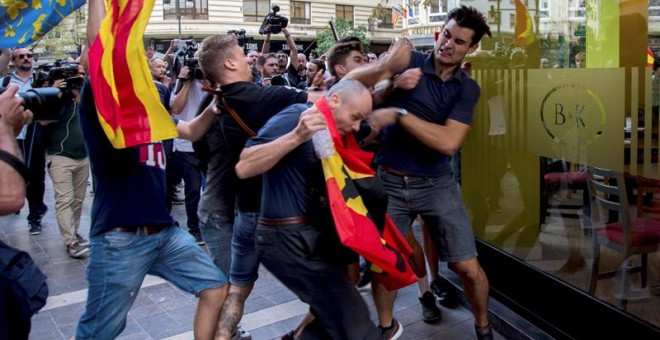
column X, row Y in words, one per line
column 126, row 98
column 363, row 225
column 650, row 59
column 524, row 30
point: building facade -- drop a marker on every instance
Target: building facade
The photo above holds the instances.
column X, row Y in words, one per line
column 200, row 18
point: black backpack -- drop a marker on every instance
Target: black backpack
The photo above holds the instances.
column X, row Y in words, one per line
column 23, row 292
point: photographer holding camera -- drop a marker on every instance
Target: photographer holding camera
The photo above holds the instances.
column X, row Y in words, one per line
column 274, row 24
column 66, row 159
column 185, row 103
column 30, row 140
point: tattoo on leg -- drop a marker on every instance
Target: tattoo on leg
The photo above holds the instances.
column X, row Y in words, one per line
column 232, row 311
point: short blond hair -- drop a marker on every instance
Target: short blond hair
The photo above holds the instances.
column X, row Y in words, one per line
column 213, row 51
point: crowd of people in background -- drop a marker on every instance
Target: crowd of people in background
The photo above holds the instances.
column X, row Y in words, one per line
column 254, row 190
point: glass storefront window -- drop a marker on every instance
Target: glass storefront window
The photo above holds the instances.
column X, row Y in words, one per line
column 564, row 87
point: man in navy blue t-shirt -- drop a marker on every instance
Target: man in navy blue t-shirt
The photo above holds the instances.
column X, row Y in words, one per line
column 132, row 234
column 296, row 238
column 413, row 157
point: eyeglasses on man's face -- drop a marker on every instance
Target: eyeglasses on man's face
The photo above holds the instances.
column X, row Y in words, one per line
column 21, row 56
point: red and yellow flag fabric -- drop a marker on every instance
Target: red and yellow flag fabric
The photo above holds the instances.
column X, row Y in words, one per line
column 524, row 29
column 363, row 225
column 649, row 57
column 126, row 98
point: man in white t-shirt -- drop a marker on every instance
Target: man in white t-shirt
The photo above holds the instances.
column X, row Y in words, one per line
column 185, row 103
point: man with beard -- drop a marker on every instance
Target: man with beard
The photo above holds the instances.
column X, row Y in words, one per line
column 31, row 142
column 252, row 57
column 288, row 70
column 267, row 65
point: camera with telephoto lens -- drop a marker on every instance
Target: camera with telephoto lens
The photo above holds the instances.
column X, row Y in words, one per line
column 68, row 72
column 45, row 103
column 273, row 22
column 189, row 59
column 241, row 37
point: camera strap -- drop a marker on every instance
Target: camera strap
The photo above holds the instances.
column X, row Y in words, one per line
column 15, row 163
column 238, row 119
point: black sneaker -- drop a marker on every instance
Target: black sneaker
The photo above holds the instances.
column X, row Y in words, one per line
column 198, row 237
column 34, row 227
column 393, row 332
column 430, row 311
column 76, row 251
column 82, row 241
column 444, row 294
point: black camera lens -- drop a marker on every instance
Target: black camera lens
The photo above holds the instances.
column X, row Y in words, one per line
column 43, row 103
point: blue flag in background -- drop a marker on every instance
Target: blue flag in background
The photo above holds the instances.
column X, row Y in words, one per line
column 26, row 21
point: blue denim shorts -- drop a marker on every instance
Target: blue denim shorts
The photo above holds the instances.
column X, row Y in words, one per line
column 217, row 230
column 118, row 263
column 438, row 201
column 244, row 257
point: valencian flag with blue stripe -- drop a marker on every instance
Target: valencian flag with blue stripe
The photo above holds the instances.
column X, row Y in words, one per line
column 363, row 224
column 127, row 101
column 24, row 22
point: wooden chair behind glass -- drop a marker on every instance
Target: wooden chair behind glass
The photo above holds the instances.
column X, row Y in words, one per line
column 629, row 236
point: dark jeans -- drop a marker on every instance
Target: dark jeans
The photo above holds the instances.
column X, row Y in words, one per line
column 34, row 155
column 300, row 257
column 192, row 176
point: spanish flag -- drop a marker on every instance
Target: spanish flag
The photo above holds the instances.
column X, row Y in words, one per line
column 363, row 225
column 126, row 98
column 524, row 29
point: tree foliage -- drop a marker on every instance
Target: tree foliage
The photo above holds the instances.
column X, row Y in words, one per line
column 325, row 39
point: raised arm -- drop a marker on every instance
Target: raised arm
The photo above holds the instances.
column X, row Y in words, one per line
column 96, row 13
column 179, row 102
column 396, row 61
column 293, row 50
column 266, row 47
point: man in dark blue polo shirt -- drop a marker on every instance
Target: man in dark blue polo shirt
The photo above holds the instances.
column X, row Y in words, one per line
column 413, row 159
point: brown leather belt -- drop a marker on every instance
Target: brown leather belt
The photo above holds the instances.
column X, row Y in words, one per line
column 393, row 171
column 144, row 229
column 274, row 222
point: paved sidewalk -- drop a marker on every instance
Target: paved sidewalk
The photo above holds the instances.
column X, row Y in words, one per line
column 162, row 311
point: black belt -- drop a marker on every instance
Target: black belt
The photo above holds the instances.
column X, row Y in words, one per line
column 145, row 229
column 274, row 222
column 394, row 172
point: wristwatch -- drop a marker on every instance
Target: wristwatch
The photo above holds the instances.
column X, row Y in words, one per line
column 401, row 111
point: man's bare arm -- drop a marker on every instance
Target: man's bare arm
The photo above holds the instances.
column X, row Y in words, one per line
column 395, row 62
column 96, row 13
column 4, row 61
column 293, row 54
column 257, row 159
column 197, row 128
column 179, row 102
column 266, row 46
column 12, row 118
column 442, row 138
